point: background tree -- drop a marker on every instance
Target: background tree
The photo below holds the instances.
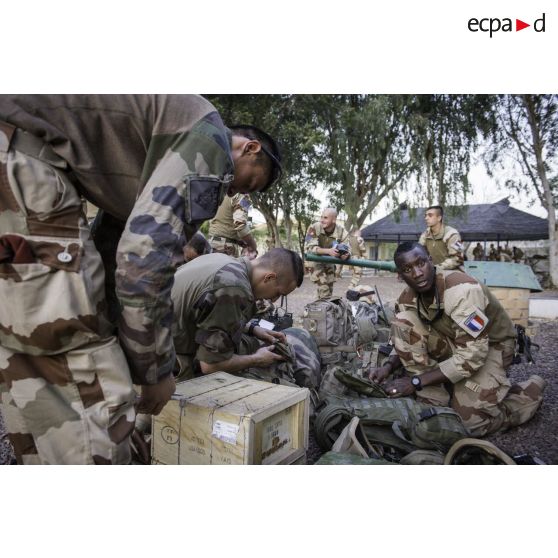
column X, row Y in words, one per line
column 527, row 133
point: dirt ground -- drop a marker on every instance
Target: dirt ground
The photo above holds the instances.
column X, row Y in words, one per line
column 539, row 437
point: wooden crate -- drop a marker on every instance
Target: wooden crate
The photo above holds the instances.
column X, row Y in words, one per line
column 224, row 419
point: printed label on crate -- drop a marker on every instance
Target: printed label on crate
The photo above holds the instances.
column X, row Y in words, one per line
column 225, row 431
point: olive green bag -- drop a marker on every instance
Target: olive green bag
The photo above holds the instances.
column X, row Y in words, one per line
column 395, row 426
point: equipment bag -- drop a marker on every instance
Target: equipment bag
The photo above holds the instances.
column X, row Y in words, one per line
column 400, row 426
column 331, row 323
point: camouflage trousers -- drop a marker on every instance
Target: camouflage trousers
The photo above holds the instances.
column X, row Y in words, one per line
column 324, row 277
column 486, row 401
column 66, row 391
column 356, row 276
column 224, row 246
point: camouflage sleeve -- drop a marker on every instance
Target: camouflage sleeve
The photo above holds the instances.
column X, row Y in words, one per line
column 466, row 304
column 241, row 205
column 343, row 235
column 311, row 241
column 183, row 188
column 361, row 247
column 422, row 239
column 455, row 253
column 222, row 322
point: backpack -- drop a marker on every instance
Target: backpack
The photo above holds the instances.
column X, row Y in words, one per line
column 396, row 426
column 330, row 321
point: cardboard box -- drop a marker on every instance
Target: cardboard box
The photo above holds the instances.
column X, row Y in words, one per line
column 223, row 419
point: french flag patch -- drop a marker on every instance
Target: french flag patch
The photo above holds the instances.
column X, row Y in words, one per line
column 475, row 322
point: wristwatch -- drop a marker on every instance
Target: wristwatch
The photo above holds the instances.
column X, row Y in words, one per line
column 253, row 324
column 417, row 383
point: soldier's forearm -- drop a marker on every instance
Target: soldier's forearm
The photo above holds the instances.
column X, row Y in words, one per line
column 250, row 242
column 433, row 377
column 234, row 364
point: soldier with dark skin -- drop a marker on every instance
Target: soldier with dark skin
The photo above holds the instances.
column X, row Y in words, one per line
column 478, row 252
column 450, row 330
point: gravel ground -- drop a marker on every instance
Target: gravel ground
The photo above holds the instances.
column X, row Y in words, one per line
column 539, row 437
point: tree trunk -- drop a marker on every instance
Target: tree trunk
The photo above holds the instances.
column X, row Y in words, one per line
column 541, row 171
column 288, row 228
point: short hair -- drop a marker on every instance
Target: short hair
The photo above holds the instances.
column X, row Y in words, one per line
column 269, row 148
column 439, row 208
column 199, row 244
column 280, row 259
column 405, row 247
column 330, row 210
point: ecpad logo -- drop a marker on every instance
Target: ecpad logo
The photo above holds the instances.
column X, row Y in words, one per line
column 494, row 24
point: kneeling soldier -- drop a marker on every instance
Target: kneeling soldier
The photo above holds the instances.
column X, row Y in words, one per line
column 455, row 341
column 214, row 302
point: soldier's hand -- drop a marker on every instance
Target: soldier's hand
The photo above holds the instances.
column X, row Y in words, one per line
column 380, row 374
column 265, row 356
column 402, row 387
column 154, row 397
column 345, row 256
column 250, row 254
column 333, row 252
column 268, row 336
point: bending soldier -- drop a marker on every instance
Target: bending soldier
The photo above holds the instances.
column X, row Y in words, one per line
column 320, row 239
column 455, row 341
column 442, row 241
column 161, row 164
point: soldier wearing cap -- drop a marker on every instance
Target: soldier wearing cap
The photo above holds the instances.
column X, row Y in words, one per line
column 229, row 230
column 321, row 238
column 442, row 241
column 159, row 165
column 455, row 342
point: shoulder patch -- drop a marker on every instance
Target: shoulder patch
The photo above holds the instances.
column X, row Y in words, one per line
column 245, row 203
column 457, row 245
column 475, row 323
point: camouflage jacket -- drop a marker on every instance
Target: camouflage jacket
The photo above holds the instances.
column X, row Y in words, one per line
column 472, row 320
column 161, row 162
column 358, row 248
column 317, row 237
column 445, row 247
column 231, row 219
column 213, row 301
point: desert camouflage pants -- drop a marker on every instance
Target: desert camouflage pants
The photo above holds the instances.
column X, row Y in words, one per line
column 324, row 277
column 224, row 246
column 487, row 401
column 357, row 275
column 65, row 387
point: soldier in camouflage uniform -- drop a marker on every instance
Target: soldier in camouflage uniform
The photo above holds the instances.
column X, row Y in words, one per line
column 229, row 229
column 320, row 238
column 214, row 302
column 455, row 342
column 358, row 251
column 478, row 252
column 442, row 241
column 161, row 164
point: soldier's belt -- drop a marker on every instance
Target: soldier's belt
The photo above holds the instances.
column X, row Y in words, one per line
column 224, row 239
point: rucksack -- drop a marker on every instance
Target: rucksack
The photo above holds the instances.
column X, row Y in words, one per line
column 330, row 321
column 396, row 426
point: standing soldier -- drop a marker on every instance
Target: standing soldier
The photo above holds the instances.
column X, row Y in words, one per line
column 478, row 253
column 442, row 241
column 493, row 254
column 358, row 251
column 320, row 239
column 230, row 229
column 161, row 164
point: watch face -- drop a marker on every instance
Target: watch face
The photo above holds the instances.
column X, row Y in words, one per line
column 415, row 381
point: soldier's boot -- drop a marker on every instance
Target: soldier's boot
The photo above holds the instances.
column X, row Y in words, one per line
column 524, row 399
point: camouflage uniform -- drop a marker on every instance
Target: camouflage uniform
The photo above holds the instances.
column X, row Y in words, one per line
column 213, row 302
column 445, row 247
column 472, row 342
column 323, row 274
column 358, row 251
column 478, row 253
column 161, row 162
column 230, row 225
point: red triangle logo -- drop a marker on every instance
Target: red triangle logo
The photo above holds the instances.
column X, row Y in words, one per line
column 519, row 25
